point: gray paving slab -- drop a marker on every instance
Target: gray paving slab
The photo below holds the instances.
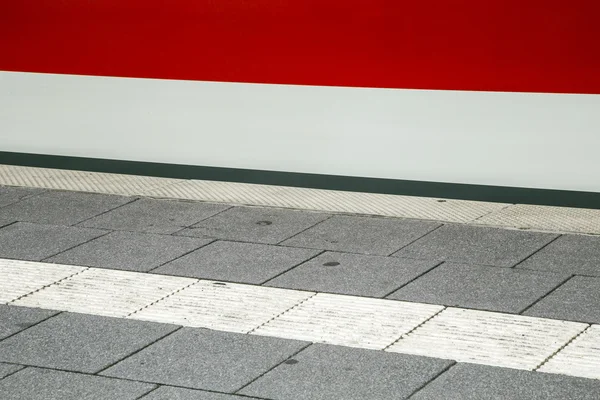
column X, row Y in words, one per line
column 475, row 382
column 7, row 369
column 12, row 194
column 353, row 274
column 155, row 216
column 366, row 235
column 256, row 225
column 80, row 342
column 62, row 208
column 204, row 359
column 35, row 242
column 237, row 262
column 14, row 319
column 45, row 384
column 173, row 393
column 333, row 372
column 480, row 287
column 575, row 254
column 132, row 251
column 578, row 299
column 477, row 245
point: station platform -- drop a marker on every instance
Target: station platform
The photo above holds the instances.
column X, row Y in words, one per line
column 133, row 287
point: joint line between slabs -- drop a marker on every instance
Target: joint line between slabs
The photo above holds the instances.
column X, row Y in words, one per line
column 491, row 212
column 271, row 369
column 281, row 313
column 442, row 372
column 50, row 284
column 561, row 348
column 329, row 216
column 291, row 268
column 547, row 294
column 135, row 199
column 412, row 280
column 21, row 368
column 177, row 328
column 148, row 392
column 162, row 298
column 415, row 328
column 537, row 251
column 441, row 224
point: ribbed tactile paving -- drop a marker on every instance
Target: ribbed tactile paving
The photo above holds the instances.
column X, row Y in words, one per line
column 545, row 218
column 223, row 306
column 580, row 358
column 349, row 321
column 80, row 180
column 19, row 278
column 328, row 200
column 489, row 338
column 105, row 292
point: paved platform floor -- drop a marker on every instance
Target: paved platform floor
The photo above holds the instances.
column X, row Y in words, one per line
column 109, row 296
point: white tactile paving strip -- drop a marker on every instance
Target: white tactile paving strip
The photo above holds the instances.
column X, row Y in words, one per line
column 328, row 200
column 223, row 306
column 497, row 339
column 580, row 358
column 349, row 321
column 554, row 219
column 80, row 180
column 105, row 292
column 19, row 278
column 490, row 338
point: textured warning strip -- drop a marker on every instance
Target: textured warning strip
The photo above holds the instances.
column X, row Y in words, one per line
column 19, row 278
column 105, row 292
column 580, row 358
column 223, row 306
column 80, row 180
column 489, row 338
column 349, row 321
column 506, row 340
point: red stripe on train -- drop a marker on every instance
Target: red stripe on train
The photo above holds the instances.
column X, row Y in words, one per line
column 500, row 45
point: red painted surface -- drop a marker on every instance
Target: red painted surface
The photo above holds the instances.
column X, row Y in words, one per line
column 503, row 45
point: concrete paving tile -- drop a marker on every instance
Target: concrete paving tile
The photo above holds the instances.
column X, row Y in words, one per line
column 46, row 384
column 131, row 251
column 480, row 287
column 62, row 208
column 80, row 342
column 34, row 242
column 353, row 274
column 173, row 393
column 205, row 359
column 155, row 216
column 574, row 254
column 12, row 194
column 474, row 382
column 14, row 319
column 576, row 300
column 7, row 369
column 257, row 225
column 332, row 372
column 375, row 236
column 477, row 245
column 237, row 262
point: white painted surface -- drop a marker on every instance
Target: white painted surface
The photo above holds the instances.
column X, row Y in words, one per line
column 579, row 358
column 506, row 340
column 223, row 306
column 19, row 278
column 492, row 138
column 105, row 292
column 490, row 338
column 349, row 321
